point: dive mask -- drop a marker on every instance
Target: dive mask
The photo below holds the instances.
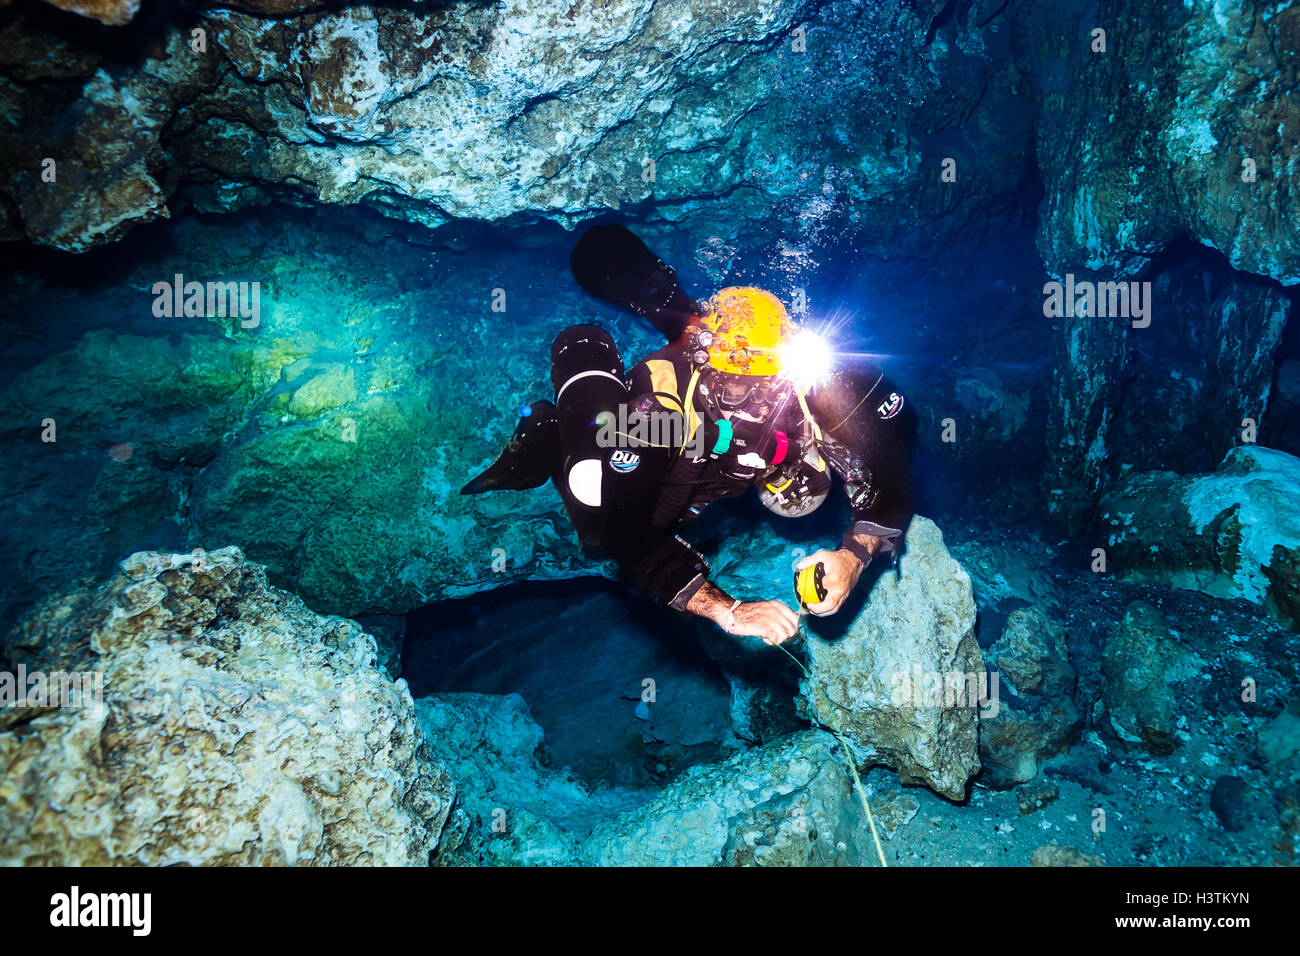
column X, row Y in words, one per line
column 753, row 394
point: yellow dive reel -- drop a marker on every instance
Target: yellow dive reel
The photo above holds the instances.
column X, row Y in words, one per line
column 808, row 586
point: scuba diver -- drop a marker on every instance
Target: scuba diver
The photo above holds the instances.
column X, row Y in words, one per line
column 739, row 397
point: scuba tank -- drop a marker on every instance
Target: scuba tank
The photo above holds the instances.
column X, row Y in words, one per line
column 587, row 373
column 793, row 492
column 802, row 481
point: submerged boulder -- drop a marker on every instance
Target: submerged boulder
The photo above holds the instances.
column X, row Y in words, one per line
column 788, row 803
column 235, row 727
column 520, row 812
column 1234, row 533
column 898, row 667
column 1037, row 714
column 1052, row 854
column 1141, row 661
column 903, row 684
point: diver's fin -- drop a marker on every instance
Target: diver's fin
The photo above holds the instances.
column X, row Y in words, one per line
column 613, row 264
column 531, row 456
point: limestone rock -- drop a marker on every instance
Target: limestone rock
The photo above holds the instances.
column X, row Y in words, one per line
column 764, row 684
column 1035, row 796
column 761, row 710
column 355, row 508
column 236, row 727
column 37, row 45
column 334, row 386
column 545, row 109
column 1234, row 533
column 113, row 12
column 883, row 682
column 389, row 632
column 1037, row 713
column 1203, row 373
column 1010, row 572
column 881, row 666
column 521, row 813
column 1152, row 144
column 133, row 415
column 1203, row 365
column 1032, row 652
column 1141, row 662
column 104, row 145
column 788, row 803
column 1051, row 854
column 1178, row 130
column 893, row 811
column 1279, row 742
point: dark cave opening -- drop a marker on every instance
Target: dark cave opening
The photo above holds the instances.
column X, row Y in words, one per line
column 1282, row 421
column 1194, row 375
column 584, row 654
column 580, row 650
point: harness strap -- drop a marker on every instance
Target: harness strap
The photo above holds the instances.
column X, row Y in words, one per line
column 808, row 415
column 688, row 406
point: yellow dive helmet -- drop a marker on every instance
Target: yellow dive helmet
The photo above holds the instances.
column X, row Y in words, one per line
column 746, row 329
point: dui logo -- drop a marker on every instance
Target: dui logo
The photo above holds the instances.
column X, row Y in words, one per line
column 890, row 406
column 624, row 461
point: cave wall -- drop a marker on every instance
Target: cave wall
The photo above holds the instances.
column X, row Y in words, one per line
column 826, row 116
column 1144, row 145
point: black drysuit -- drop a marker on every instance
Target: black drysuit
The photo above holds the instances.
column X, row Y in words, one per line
column 861, row 426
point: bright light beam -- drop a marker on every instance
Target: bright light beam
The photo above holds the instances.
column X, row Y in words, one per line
column 807, row 359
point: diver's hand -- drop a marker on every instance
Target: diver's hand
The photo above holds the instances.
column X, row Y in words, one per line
column 843, row 568
column 771, row 620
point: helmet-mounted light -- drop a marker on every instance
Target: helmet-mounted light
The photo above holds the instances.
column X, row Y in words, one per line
column 806, row 359
column 701, row 341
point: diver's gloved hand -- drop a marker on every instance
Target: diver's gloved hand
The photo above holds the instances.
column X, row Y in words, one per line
column 843, row 568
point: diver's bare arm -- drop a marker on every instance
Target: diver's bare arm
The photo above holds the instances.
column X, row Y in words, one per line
column 873, row 543
column 713, row 603
column 770, row 620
